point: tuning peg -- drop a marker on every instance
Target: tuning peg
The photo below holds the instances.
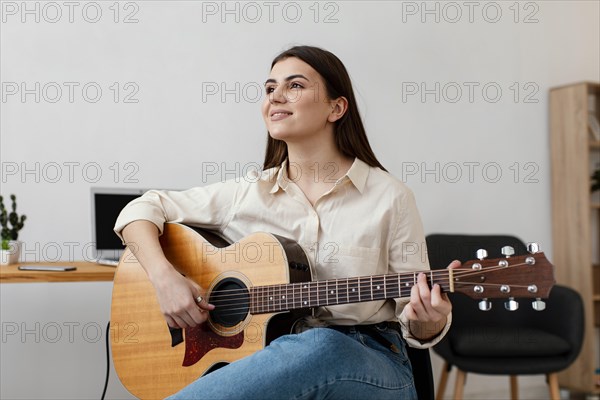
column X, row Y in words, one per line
column 511, row 304
column 538, row 304
column 533, row 248
column 485, row 305
column 507, row 251
column 481, row 254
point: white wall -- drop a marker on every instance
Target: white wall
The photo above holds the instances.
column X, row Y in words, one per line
column 172, row 133
column 170, row 55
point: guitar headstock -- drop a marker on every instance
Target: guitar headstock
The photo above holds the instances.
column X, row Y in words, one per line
column 526, row 276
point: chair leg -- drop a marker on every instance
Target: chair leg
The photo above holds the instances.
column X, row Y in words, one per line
column 553, row 383
column 460, row 384
column 514, row 387
column 443, row 381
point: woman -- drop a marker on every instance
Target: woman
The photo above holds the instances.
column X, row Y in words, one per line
column 323, row 187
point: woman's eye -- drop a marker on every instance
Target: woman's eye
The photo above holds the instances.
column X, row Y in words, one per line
column 269, row 89
column 295, row 85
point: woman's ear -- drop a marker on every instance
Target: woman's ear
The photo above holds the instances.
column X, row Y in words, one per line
column 339, row 107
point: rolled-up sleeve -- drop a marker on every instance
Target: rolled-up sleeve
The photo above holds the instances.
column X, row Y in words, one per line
column 408, row 252
column 208, row 207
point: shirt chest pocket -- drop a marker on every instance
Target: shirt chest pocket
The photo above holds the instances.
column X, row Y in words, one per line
column 337, row 261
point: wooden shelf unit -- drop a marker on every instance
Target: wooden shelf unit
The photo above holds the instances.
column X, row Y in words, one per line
column 575, row 217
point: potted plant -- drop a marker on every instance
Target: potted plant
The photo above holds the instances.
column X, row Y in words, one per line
column 11, row 247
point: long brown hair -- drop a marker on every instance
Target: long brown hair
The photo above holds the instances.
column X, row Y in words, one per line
column 350, row 136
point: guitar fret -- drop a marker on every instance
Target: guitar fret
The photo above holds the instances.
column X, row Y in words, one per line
column 391, row 291
column 353, row 291
column 364, row 288
column 297, row 293
column 347, row 291
column 266, row 301
column 331, row 292
column 257, row 303
column 322, row 293
column 304, row 295
column 284, row 297
column 392, row 287
column 271, row 301
column 261, row 299
column 430, row 278
column 342, row 291
column 399, row 285
column 378, row 288
column 386, row 287
column 407, row 286
column 337, row 299
column 279, row 298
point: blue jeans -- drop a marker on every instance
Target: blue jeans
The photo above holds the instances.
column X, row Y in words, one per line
column 320, row 363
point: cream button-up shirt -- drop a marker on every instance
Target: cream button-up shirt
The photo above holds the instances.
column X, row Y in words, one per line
column 367, row 224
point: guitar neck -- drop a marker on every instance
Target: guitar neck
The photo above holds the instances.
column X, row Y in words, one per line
column 292, row 296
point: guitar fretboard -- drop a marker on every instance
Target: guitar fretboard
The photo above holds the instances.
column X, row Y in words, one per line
column 291, row 296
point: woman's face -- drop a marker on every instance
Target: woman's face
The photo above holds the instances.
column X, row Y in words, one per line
column 296, row 106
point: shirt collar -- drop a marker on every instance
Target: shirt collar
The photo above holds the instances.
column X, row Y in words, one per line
column 278, row 175
column 357, row 174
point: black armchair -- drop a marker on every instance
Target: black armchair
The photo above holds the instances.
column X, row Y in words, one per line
column 501, row 342
column 420, row 361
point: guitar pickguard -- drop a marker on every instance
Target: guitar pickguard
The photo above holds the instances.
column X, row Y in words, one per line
column 201, row 339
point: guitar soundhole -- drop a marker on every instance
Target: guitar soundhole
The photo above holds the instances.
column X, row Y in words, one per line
column 232, row 302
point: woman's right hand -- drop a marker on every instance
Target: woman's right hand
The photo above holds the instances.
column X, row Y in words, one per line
column 176, row 294
column 177, row 299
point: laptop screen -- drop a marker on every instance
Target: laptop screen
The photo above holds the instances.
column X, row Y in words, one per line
column 106, row 205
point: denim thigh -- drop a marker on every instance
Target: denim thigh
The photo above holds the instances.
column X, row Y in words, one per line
column 321, row 363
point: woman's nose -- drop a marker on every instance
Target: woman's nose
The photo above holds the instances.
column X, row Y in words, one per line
column 277, row 95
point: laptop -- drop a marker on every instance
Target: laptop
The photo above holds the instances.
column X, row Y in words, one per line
column 107, row 203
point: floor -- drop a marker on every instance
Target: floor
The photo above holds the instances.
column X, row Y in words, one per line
column 484, row 387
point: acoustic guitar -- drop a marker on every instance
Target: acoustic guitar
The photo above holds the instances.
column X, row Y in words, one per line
column 260, row 286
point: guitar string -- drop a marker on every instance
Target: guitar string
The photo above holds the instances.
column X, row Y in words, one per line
column 287, row 307
column 294, row 306
column 391, row 279
column 267, row 305
column 404, row 278
column 361, row 282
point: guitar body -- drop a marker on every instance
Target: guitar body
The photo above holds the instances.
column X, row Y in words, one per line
column 254, row 283
column 154, row 361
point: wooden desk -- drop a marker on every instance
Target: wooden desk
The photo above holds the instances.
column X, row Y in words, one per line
column 85, row 272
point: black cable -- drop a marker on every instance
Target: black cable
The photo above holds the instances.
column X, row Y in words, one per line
column 107, row 361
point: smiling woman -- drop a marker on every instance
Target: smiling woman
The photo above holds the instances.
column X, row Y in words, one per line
column 329, row 80
column 320, row 176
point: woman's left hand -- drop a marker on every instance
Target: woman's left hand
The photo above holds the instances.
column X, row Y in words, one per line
column 428, row 308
